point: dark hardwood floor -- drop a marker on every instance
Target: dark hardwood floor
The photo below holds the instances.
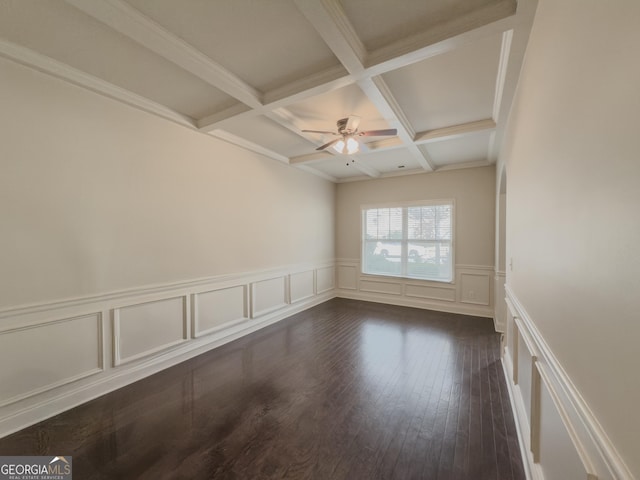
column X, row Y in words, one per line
column 345, row 390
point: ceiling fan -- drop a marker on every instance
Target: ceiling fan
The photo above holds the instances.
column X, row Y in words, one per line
column 346, row 142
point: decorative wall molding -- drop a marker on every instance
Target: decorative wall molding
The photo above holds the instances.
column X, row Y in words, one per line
column 148, row 328
column 445, row 297
column 430, row 292
column 302, row 285
column 348, row 276
column 325, row 279
column 57, row 345
column 268, row 295
column 475, row 288
column 559, row 435
column 151, row 329
column 214, row 310
column 500, row 315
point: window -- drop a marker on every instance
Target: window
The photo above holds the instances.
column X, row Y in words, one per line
column 413, row 241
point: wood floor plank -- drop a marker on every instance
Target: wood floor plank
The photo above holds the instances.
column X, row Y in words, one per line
column 345, row 390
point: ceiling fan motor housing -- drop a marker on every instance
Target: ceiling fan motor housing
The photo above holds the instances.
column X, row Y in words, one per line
column 342, row 126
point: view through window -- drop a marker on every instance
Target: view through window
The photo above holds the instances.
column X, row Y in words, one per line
column 413, row 241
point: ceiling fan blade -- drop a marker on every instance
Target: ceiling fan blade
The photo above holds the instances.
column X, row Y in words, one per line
column 379, row 133
column 319, row 131
column 328, row 144
column 352, row 123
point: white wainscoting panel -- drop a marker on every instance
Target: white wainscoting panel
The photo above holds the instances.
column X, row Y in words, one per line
column 380, row 286
column 57, row 355
column 525, row 367
column 325, row 279
column 147, row 328
column 500, row 316
column 431, row 292
column 348, row 277
column 559, row 435
column 561, row 454
column 511, row 346
column 217, row 309
column 301, row 285
column 44, row 356
column 470, row 281
column 268, row 295
column 475, row 288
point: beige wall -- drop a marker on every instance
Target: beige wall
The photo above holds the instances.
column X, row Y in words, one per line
column 474, row 194
column 572, row 202
column 96, row 196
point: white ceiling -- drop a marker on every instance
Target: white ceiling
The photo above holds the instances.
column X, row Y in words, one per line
column 257, row 73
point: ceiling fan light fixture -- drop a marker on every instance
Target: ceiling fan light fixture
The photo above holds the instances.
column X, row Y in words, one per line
column 347, row 146
column 352, row 146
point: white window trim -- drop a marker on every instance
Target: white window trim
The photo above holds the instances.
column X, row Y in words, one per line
column 416, row 203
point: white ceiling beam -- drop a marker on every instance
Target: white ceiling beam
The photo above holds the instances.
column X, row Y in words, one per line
column 254, row 147
column 210, row 122
column 130, row 22
column 317, row 172
column 380, row 94
column 514, row 44
column 331, row 22
column 72, row 75
column 498, row 95
column 397, row 173
column 427, row 158
column 505, row 49
column 310, row 158
column 287, row 119
column 318, row 83
column 487, row 21
column 454, row 131
column 291, row 93
column 390, row 143
column 291, row 122
column 458, row 166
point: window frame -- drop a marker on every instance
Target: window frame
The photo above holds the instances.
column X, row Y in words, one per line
column 405, row 240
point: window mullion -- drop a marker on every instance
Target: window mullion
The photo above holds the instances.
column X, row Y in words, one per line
column 405, row 246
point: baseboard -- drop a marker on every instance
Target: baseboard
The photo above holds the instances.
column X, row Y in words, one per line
column 475, row 311
column 559, row 435
column 181, row 321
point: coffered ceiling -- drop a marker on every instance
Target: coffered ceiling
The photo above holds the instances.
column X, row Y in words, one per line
column 256, row 73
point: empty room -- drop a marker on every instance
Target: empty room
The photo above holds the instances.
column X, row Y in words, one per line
column 319, row 239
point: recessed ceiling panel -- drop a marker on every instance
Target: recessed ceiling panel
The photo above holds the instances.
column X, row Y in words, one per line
column 470, row 148
column 449, row 89
column 392, row 160
column 381, row 22
column 63, row 33
column 266, row 43
column 270, row 135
